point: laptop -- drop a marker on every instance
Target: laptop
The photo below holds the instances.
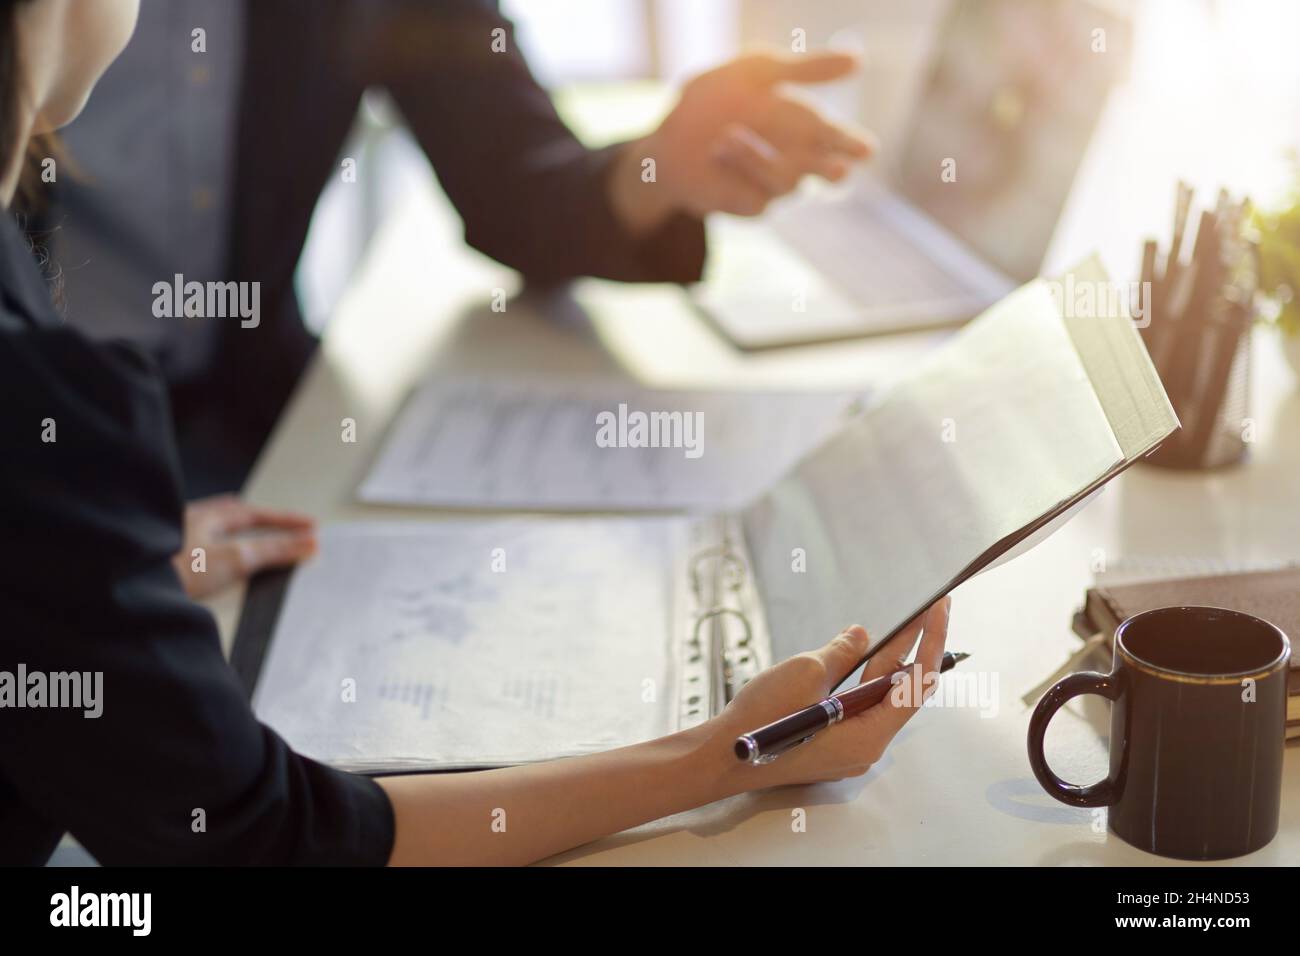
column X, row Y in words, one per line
column 1011, row 97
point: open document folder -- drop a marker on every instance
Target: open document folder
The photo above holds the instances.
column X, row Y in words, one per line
column 485, row 642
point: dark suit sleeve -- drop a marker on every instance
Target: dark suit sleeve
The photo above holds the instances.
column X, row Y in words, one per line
column 176, row 769
column 530, row 194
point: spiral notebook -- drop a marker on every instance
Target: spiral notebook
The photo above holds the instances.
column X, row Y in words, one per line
column 470, row 642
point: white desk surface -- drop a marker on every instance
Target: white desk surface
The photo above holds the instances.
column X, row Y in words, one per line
column 955, row 787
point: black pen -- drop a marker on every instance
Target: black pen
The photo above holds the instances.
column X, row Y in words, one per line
column 767, row 743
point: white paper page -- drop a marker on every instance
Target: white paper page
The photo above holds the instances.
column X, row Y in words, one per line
column 479, row 443
column 457, row 664
column 1043, row 533
column 996, row 428
column 1121, row 371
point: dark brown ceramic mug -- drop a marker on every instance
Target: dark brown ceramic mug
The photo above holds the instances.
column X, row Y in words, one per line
column 1197, row 732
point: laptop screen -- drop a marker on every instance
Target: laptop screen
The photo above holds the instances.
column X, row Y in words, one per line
column 1014, row 92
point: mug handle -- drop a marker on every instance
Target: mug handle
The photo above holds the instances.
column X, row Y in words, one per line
column 1099, row 794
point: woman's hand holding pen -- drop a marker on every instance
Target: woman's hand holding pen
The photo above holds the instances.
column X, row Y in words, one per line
column 846, row 749
column 554, row 805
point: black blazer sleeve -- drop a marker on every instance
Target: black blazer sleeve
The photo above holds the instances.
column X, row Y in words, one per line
column 176, row 769
column 530, row 194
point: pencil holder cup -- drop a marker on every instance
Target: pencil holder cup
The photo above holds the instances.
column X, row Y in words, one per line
column 1217, row 428
column 1197, row 315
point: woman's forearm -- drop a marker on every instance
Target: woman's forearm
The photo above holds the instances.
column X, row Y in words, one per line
column 522, row 814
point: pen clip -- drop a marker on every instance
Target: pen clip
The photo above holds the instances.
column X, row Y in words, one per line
column 767, row 758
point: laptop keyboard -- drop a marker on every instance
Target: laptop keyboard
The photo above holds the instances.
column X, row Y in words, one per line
column 852, row 241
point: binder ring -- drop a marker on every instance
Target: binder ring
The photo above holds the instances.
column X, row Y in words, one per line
column 729, row 557
column 718, row 612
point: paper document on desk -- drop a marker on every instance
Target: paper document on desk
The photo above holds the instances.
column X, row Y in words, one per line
column 540, row 444
column 1002, row 431
column 475, row 643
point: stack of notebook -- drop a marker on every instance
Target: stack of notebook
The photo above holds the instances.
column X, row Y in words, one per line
column 1273, row 595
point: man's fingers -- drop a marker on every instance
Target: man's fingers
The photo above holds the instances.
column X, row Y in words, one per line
column 829, row 166
column 741, row 197
column 758, row 171
column 842, row 654
column 799, row 127
column 260, row 552
column 757, row 160
column 767, row 68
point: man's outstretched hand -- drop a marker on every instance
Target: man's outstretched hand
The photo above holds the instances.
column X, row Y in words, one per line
column 737, row 139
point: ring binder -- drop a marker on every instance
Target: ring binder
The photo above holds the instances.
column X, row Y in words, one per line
column 733, row 655
column 728, row 556
column 715, row 612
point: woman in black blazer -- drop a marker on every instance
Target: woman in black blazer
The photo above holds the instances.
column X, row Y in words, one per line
column 167, row 763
